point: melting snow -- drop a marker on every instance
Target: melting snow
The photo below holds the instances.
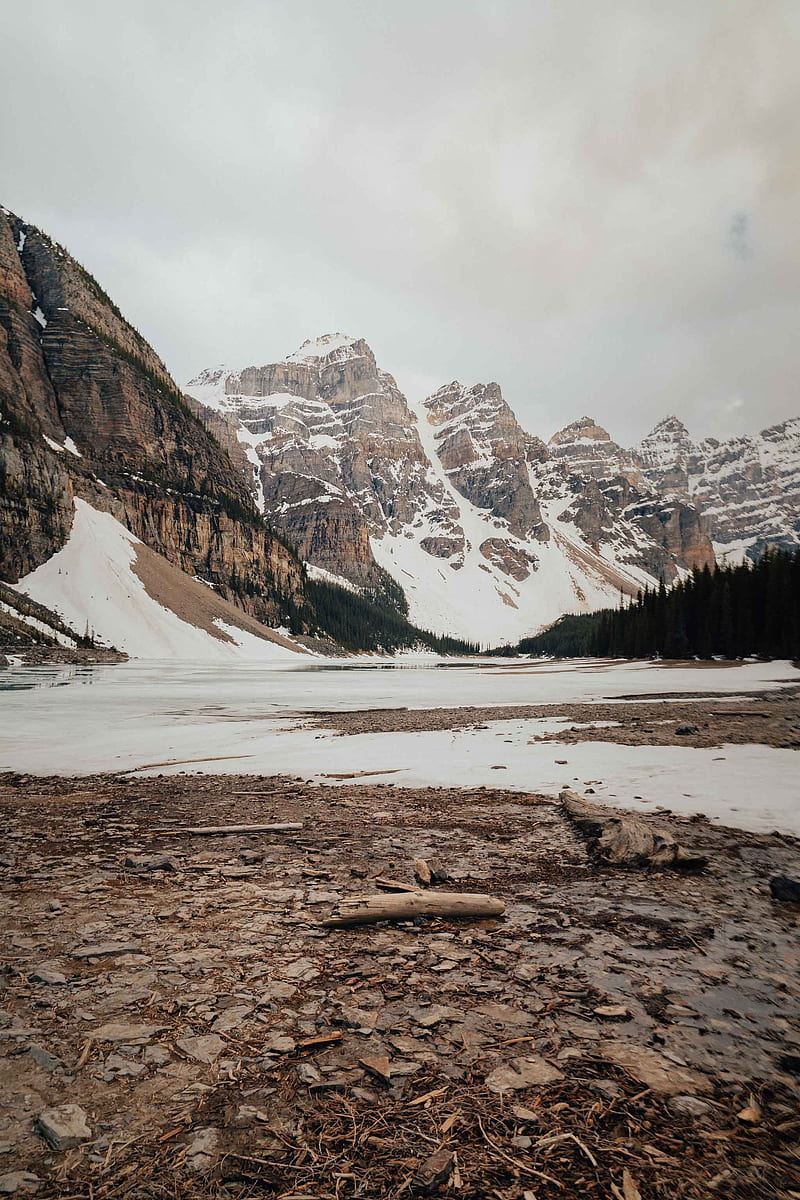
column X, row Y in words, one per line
column 140, row 713
column 91, row 582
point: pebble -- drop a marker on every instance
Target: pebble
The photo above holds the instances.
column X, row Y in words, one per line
column 63, row 1127
column 48, row 975
column 18, row 1181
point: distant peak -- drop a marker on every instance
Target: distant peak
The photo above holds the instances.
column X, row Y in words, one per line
column 585, row 428
column 321, row 346
column 671, row 427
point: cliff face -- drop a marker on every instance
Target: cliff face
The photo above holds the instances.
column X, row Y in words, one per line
column 748, row 487
column 88, row 409
column 336, row 457
column 484, row 451
column 588, row 450
column 662, row 531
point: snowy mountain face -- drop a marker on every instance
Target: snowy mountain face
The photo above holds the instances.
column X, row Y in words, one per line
column 748, row 488
column 489, row 533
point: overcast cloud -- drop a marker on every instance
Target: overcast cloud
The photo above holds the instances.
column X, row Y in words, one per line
column 594, row 202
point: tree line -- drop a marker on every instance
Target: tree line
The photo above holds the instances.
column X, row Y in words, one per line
column 731, row 612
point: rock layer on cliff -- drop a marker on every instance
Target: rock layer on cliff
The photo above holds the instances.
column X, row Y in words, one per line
column 748, row 488
column 88, row 410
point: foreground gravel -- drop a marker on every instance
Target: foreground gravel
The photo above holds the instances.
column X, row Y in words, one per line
column 614, row 1034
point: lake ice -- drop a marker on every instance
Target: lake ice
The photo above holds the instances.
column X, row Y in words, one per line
column 247, row 719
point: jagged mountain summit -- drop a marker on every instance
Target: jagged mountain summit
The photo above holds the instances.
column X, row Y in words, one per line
column 747, row 487
column 488, row 533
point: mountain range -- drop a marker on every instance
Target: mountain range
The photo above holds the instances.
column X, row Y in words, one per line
column 254, row 512
column 484, row 525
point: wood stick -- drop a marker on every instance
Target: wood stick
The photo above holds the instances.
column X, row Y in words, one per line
column 211, row 830
column 366, row 910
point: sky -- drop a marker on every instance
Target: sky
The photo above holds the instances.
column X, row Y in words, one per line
column 594, row 204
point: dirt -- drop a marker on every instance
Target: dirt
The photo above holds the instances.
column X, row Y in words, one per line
column 770, row 718
column 700, row 975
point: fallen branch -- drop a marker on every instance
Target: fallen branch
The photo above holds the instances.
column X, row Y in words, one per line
column 366, row 910
column 212, row 830
column 627, row 841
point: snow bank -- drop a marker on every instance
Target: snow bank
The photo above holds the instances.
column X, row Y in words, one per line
column 91, row 582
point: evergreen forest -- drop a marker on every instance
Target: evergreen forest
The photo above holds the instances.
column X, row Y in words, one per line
column 750, row 610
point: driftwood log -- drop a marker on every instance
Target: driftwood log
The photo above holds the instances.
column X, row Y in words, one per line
column 627, row 841
column 404, row 906
column 213, row 830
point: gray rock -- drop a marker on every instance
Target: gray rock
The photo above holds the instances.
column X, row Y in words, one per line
column 103, row 949
column 522, row 1073
column 63, row 1127
column 151, row 862
column 125, row 1068
column 157, row 1056
column 46, row 974
column 119, row 1031
column 18, row 1181
column 44, row 1060
column 689, row 1106
column 203, row 1150
column 204, row 1049
column 231, row 1018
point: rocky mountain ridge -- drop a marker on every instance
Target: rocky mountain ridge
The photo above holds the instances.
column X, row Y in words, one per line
column 89, row 411
column 486, row 529
column 748, row 487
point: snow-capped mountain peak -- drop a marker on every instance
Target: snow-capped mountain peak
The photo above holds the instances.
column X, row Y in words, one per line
column 488, row 532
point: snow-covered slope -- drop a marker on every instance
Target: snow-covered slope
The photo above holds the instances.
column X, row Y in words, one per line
column 489, row 537
column 107, row 581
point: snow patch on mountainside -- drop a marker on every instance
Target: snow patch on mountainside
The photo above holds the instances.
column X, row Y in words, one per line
column 91, row 582
column 479, row 600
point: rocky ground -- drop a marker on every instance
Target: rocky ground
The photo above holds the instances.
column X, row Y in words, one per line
column 614, row 1034
column 758, row 718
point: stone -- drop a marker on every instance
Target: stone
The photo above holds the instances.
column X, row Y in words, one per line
column 654, row 1070
column 156, row 1055
column 204, row 1048
column 302, row 969
column 47, row 975
column 688, row 1106
column 104, row 949
column 203, row 1150
column 18, row 1181
column 276, row 1043
column 116, row 1065
column 785, row 889
column 378, row 1066
column 150, row 862
column 612, row 1012
column 132, row 1035
column 522, row 1073
column 63, row 1127
column 231, row 1018
column 277, row 991
column 44, row 1060
column 433, row 1172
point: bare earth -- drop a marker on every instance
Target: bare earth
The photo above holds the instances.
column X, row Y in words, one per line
column 761, row 718
column 222, row 1044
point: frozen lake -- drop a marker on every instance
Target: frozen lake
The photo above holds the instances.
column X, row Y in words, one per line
column 163, row 717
